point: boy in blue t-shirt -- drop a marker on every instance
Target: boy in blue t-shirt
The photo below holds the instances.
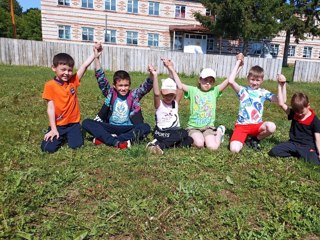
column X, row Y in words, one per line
column 121, row 120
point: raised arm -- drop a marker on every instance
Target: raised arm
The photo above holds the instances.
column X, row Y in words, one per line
column 86, row 64
column 282, row 93
column 232, row 78
column 173, row 74
column 156, row 91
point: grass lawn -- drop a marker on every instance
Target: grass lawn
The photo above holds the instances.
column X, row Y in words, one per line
column 99, row 192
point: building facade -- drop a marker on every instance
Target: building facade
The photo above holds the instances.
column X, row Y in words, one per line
column 160, row 24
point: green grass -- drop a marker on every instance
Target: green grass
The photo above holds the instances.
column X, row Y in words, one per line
column 99, row 192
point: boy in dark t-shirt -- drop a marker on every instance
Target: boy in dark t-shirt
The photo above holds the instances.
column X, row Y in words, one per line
column 304, row 132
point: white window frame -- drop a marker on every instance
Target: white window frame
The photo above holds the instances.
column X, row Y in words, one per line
column 153, row 40
column 89, row 32
column 63, row 2
column 210, row 43
column 66, row 32
column 178, row 38
column 307, row 52
column 87, row 4
column 133, row 6
column 132, row 38
column 274, row 49
column 180, row 11
column 110, row 36
column 291, row 51
column 154, row 8
column 110, row 5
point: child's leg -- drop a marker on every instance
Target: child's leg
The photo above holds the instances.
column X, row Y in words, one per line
column 266, row 129
column 55, row 144
column 308, row 154
column 137, row 132
column 198, row 138
column 238, row 137
column 102, row 131
column 74, row 136
column 102, row 114
column 286, row 149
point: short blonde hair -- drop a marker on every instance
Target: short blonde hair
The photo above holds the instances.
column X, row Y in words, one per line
column 256, row 71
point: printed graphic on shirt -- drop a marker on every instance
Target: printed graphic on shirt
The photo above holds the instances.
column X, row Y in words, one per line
column 251, row 104
column 120, row 113
column 166, row 116
column 203, row 109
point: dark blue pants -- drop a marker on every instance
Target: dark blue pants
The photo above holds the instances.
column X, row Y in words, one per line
column 70, row 133
column 103, row 131
column 291, row 149
column 172, row 138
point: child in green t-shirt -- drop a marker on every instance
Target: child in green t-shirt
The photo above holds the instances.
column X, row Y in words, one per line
column 203, row 108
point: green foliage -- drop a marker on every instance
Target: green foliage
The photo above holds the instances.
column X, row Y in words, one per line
column 249, row 19
column 99, row 192
column 28, row 23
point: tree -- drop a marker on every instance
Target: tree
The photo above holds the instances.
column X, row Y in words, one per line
column 28, row 23
column 241, row 19
column 298, row 18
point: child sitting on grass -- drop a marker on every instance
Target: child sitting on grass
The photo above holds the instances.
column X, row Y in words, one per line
column 203, row 98
column 304, row 132
column 167, row 132
column 252, row 98
column 63, row 105
column 122, row 120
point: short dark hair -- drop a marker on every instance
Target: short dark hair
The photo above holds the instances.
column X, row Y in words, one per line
column 299, row 101
column 63, row 59
column 256, row 71
column 121, row 75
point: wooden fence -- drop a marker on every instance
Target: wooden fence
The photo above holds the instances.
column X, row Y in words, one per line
column 26, row 52
column 306, row 71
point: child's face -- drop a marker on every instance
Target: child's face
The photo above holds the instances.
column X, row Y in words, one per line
column 303, row 112
column 122, row 86
column 206, row 83
column 255, row 81
column 63, row 72
column 168, row 98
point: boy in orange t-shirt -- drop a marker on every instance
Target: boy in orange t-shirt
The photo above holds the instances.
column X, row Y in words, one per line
column 63, row 106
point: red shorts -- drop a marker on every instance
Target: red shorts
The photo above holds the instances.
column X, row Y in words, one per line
column 241, row 131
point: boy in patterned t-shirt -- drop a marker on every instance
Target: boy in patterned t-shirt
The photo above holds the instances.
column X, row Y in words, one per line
column 252, row 98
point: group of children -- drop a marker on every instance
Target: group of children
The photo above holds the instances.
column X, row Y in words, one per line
column 120, row 122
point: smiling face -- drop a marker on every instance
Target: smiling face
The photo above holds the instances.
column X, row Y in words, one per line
column 255, row 81
column 63, row 72
column 168, row 98
column 122, row 86
column 206, row 84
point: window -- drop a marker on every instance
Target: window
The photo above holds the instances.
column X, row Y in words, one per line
column 307, row 52
column 154, row 8
column 110, row 36
column 274, row 50
column 87, row 34
column 64, row 32
column 178, row 42
column 132, row 38
column 110, row 5
column 87, row 3
column 208, row 12
column 291, row 51
column 180, row 11
column 132, row 6
column 153, row 40
column 64, row 2
column 210, row 43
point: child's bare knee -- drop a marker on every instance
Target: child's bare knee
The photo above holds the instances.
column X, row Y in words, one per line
column 235, row 147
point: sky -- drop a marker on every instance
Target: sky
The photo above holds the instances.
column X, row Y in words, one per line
column 26, row 4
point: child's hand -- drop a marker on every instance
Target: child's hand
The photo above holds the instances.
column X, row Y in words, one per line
column 151, row 69
column 51, row 135
column 97, row 49
column 240, row 57
column 167, row 62
column 281, row 78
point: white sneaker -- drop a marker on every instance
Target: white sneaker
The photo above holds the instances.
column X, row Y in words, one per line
column 222, row 130
column 128, row 143
column 98, row 119
column 154, row 148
